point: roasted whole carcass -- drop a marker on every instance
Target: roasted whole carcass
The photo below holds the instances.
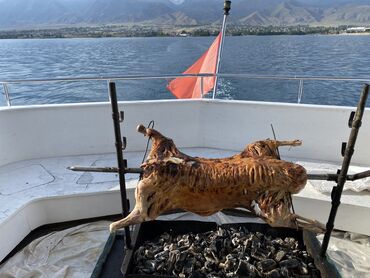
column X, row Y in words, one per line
column 254, row 179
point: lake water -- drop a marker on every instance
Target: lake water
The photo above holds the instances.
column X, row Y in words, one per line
column 346, row 56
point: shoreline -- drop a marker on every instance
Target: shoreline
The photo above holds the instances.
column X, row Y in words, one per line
column 168, row 36
column 125, row 31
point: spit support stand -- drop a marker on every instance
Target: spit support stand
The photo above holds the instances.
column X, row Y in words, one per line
column 122, row 169
column 340, row 178
column 118, row 117
column 354, row 123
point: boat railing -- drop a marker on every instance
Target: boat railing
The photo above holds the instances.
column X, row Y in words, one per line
column 300, row 79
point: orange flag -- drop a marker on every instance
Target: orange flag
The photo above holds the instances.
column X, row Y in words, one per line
column 190, row 87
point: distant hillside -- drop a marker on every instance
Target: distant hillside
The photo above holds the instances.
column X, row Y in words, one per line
column 19, row 14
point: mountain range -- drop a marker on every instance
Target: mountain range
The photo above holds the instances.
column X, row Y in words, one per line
column 18, row 14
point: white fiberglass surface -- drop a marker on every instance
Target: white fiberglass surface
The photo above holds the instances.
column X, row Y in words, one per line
column 24, row 181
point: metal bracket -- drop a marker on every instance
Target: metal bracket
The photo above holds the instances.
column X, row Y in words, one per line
column 350, row 120
column 121, row 116
column 343, row 149
column 333, row 192
column 124, row 142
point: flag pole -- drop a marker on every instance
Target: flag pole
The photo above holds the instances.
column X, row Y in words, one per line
column 227, row 7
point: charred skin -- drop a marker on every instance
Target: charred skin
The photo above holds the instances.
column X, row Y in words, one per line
column 254, row 179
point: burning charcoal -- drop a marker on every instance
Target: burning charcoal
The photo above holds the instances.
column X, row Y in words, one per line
column 229, row 265
column 171, row 260
column 227, row 245
column 200, row 258
column 247, row 243
column 259, row 235
column 217, row 244
column 279, row 255
column 303, row 270
column 148, row 254
column 171, row 247
column 209, row 266
column 270, row 249
column 149, row 267
column 260, row 254
column 255, row 242
column 139, row 254
column 184, row 248
column 315, row 273
column 183, row 255
column 240, row 250
column 235, row 241
column 196, row 274
column 160, row 266
column 157, row 249
column 273, row 274
column 226, row 253
column 210, row 255
column 246, row 269
column 284, row 272
column 180, row 261
column 291, row 242
column 290, row 263
column 278, row 242
column 266, row 265
column 214, row 275
column 162, row 256
column 182, row 242
column 189, row 266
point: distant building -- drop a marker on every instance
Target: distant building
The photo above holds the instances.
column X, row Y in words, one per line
column 183, row 33
column 358, row 29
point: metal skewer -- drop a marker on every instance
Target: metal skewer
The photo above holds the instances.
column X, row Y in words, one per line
column 104, row 169
column 325, row 177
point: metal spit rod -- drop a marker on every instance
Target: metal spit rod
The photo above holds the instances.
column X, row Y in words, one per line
column 326, row 177
column 355, row 124
column 106, row 169
column 117, row 118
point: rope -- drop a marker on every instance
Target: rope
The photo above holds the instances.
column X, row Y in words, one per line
column 150, row 125
column 273, row 133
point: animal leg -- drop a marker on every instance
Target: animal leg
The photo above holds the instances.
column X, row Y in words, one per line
column 275, row 210
column 135, row 217
column 145, row 200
